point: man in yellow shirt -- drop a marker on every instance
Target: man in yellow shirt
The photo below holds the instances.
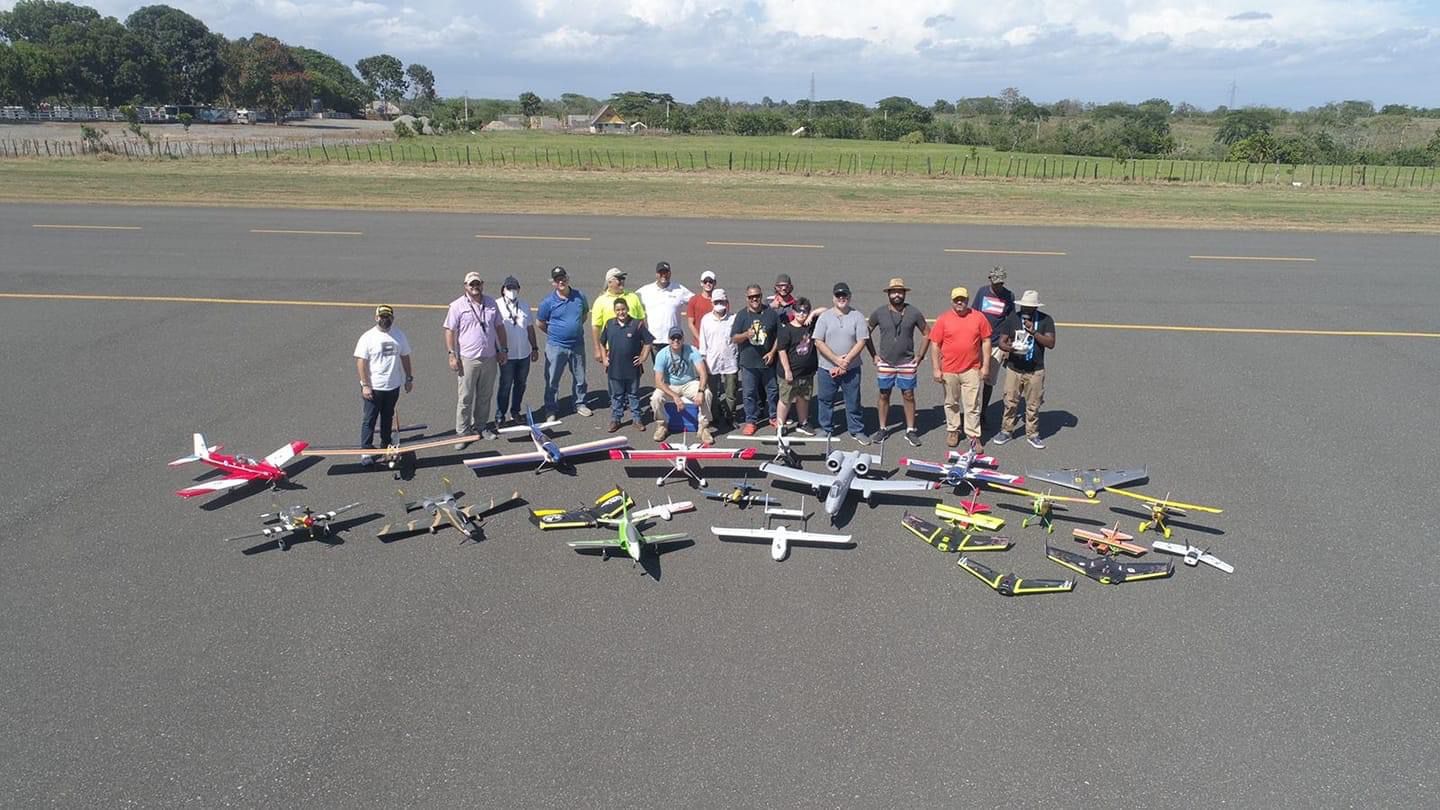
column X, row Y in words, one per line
column 604, row 307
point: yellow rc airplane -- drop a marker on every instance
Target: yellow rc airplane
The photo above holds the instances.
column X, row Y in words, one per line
column 1161, row 509
column 1041, row 504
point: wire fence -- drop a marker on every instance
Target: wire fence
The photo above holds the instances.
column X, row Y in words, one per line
column 802, row 162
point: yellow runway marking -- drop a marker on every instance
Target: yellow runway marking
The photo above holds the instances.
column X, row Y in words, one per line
column 1253, row 258
column 1009, row 252
column 307, row 233
column 1133, row 327
column 90, row 227
column 533, row 238
column 765, row 244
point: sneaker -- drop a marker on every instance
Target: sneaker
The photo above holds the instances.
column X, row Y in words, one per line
column 952, row 438
column 706, row 437
column 803, row 431
column 488, row 432
column 583, row 410
column 366, row 461
column 661, row 431
column 748, row 430
column 1035, row 442
column 790, row 424
column 461, row 445
column 518, row 419
column 614, row 426
column 862, row 440
column 912, row 437
column 1002, row 437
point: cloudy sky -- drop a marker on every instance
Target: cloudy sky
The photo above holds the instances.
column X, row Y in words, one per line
column 1293, row 53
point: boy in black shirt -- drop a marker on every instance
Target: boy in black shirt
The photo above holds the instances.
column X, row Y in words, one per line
column 798, row 363
column 626, row 346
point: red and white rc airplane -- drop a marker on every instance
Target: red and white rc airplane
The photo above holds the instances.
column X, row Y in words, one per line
column 240, row 469
column 680, row 457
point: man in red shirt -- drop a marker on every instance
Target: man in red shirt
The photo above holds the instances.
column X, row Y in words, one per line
column 961, row 360
column 699, row 305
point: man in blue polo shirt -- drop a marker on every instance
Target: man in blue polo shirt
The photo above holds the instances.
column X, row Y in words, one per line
column 562, row 318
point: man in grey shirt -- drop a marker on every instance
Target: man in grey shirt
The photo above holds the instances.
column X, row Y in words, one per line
column 840, row 335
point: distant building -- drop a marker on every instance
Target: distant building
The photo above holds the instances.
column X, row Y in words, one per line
column 577, row 122
column 607, row 121
column 546, row 122
column 500, row 125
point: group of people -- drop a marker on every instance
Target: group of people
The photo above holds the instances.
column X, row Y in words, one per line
column 763, row 364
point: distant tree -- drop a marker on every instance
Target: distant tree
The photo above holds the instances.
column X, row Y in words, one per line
column 982, row 105
column 942, row 107
column 577, row 104
column 1238, row 125
column 34, row 20
column 1187, row 110
column 332, row 82
column 1156, row 105
column 1258, row 147
column 422, row 81
column 29, row 73
column 385, row 77
column 529, row 104
column 641, row 105
column 1009, row 97
column 103, row 62
column 264, row 74
column 1395, row 109
column 185, row 119
column 188, row 50
column 893, row 106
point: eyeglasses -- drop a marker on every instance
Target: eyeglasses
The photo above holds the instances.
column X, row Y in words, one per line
column 707, row 281
column 475, row 284
column 841, row 296
column 753, row 297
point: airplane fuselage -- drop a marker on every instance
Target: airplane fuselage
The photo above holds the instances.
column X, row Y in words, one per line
column 840, row 488
column 258, row 471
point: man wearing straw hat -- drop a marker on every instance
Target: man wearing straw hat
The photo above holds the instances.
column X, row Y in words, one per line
column 893, row 327
column 1024, row 337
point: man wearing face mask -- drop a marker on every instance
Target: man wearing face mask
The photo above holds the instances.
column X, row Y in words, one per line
column 960, row 361
column 896, row 360
column 720, row 357
column 515, row 371
column 1025, row 337
column 476, row 343
column 380, row 355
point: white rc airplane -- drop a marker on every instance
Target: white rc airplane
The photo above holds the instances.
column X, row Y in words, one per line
column 1192, row 554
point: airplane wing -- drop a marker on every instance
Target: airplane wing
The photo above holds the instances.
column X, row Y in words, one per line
column 1172, row 505
column 333, row 512
column 525, row 429
column 802, row 476
column 771, row 438
column 270, row 531
column 661, row 510
column 1089, row 481
column 1191, row 553
column 597, row 446
column 494, row 462
column 282, row 456
column 402, row 447
column 979, row 520
column 563, row 518
column 865, row 486
column 929, row 467
column 767, row 535
column 215, row 485
column 661, row 539
column 672, row 454
column 977, row 474
column 404, row 528
column 474, row 510
column 613, row 542
column 1012, row 585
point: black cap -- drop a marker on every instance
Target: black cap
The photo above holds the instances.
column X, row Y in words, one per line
column 510, row 283
column 557, row 273
column 784, row 278
column 662, row 267
column 841, row 289
column 676, row 331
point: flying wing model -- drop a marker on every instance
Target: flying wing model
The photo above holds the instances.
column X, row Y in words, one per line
column 741, row 494
column 943, row 537
column 608, row 506
column 781, row 538
column 1161, row 509
column 1042, row 505
column 546, row 452
column 683, row 458
column 959, row 468
column 1089, row 481
column 443, row 510
column 282, row 523
column 846, row 471
column 627, row 539
column 239, row 469
column 1012, row 585
column 1193, row 555
column 1109, row 541
column 1109, row 570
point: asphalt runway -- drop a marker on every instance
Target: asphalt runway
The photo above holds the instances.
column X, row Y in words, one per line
column 148, row 663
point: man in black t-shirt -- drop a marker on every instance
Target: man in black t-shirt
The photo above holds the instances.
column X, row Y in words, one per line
column 996, row 302
column 1024, row 337
column 893, row 328
column 754, row 334
column 798, row 362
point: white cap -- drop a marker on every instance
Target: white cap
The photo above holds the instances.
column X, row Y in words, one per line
column 708, row 275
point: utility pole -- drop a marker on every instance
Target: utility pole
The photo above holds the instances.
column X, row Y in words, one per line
column 1232, row 94
column 467, row 108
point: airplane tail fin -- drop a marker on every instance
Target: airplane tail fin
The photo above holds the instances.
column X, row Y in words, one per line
column 198, row 451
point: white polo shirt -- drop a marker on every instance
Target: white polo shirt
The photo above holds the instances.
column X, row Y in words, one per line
column 664, row 308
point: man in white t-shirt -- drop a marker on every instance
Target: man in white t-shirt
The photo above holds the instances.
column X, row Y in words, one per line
column 382, row 359
column 519, row 335
column 720, row 357
column 665, row 303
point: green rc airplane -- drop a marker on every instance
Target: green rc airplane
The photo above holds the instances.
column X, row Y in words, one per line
column 627, row 539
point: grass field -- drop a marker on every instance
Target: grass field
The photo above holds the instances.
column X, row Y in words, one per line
column 752, row 195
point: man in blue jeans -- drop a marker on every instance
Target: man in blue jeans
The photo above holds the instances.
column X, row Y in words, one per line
column 562, row 318
column 754, row 333
column 841, row 333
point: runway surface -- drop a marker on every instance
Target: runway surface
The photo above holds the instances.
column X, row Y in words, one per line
column 147, row 662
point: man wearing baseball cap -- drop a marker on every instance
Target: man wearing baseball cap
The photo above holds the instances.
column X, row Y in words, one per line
column 1025, row 336
column 524, row 350
column 840, row 336
column 721, row 357
column 893, row 327
column 476, row 344
column 377, row 354
column 700, row 304
column 604, row 307
column 562, row 318
column 664, row 302
column 960, row 361
column 784, row 297
column 681, row 378
column 996, row 302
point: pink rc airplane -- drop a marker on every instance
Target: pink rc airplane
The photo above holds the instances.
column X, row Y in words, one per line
column 240, row 469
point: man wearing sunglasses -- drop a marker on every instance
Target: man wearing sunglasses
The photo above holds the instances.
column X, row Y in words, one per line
column 475, row 340
column 754, row 332
column 700, row 304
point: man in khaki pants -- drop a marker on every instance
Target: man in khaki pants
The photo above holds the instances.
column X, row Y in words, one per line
column 1024, row 337
column 960, row 362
